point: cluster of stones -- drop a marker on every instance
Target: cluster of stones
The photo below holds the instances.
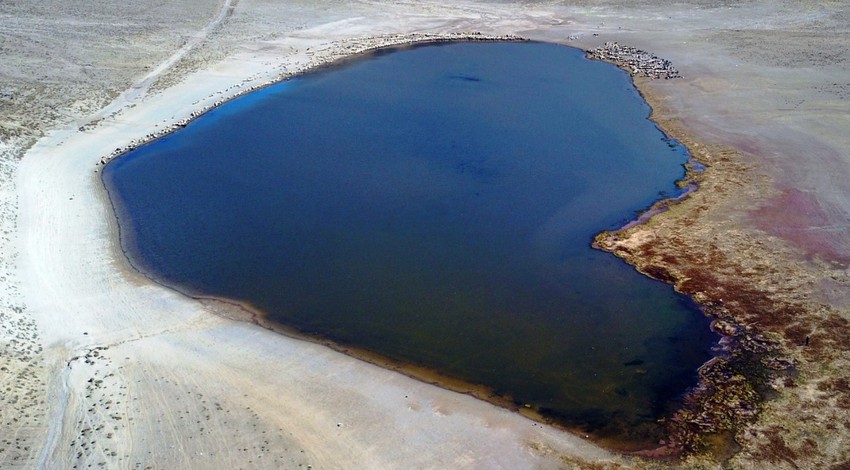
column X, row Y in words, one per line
column 103, row 418
column 335, row 52
column 635, row 61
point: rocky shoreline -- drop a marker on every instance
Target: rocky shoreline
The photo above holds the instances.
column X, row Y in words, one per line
column 635, row 61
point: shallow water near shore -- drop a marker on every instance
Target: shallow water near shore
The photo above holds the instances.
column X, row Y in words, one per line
column 435, row 205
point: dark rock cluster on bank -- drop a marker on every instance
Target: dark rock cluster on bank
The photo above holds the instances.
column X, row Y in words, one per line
column 635, row 61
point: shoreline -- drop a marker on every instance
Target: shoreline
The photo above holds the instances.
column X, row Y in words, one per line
column 119, row 326
column 755, row 367
column 714, row 374
column 771, row 127
column 240, row 311
column 364, row 45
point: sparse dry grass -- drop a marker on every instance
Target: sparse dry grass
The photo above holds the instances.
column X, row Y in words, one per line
column 780, row 342
column 62, row 61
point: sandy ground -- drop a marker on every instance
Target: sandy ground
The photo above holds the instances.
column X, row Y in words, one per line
column 100, row 367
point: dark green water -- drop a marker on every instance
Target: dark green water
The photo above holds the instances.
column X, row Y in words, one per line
column 436, row 206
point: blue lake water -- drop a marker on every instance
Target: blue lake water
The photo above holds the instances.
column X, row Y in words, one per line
column 435, row 206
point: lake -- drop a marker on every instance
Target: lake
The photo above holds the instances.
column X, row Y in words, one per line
column 435, row 206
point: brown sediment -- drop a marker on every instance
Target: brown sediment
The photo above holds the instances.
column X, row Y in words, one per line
column 781, row 374
column 245, row 312
column 241, row 311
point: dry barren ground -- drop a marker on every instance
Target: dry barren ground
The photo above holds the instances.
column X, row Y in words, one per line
column 101, row 368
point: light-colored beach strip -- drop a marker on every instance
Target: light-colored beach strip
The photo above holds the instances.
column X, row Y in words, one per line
column 139, row 376
column 157, row 379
